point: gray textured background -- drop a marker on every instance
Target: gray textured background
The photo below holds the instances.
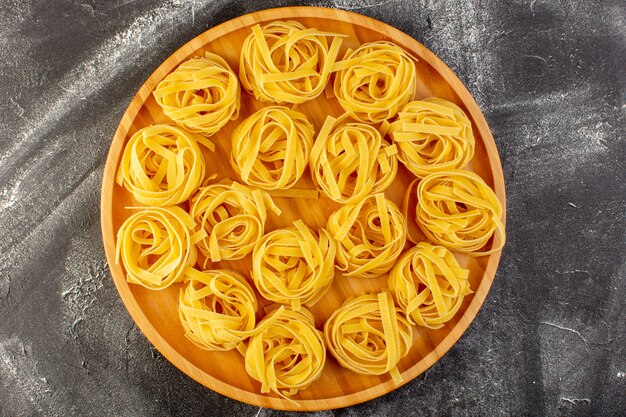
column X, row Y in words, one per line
column 549, row 78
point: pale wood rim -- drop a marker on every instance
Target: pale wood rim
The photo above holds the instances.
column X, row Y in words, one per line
column 109, row 236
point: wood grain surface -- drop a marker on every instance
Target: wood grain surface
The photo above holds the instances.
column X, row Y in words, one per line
column 155, row 312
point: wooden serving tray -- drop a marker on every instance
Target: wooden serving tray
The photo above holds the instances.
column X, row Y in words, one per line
column 155, row 312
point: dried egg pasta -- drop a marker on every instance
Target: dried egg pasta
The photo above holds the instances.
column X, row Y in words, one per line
column 287, row 354
column 370, row 236
column 201, row 95
column 156, row 246
column 368, row 335
column 294, row 265
column 217, row 309
column 162, row 165
column 349, row 161
column 457, row 210
column 375, row 81
column 429, row 285
column 271, row 148
column 284, row 62
column 233, row 217
column 432, row 135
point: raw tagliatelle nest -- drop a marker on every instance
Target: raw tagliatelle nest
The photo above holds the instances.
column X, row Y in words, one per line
column 157, row 247
column 457, row 210
column 162, row 165
column 370, row 236
column 432, row 135
column 287, row 353
column 373, row 82
column 271, row 148
column 350, row 160
column 201, row 95
column 429, row 285
column 217, row 309
column 294, row 265
column 368, row 335
column 284, row 62
column 233, row 216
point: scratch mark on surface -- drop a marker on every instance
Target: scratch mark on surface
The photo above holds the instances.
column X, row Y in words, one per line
column 19, row 107
column 258, row 412
column 193, row 13
column 576, row 401
column 537, row 57
column 567, row 329
column 574, row 271
column 127, row 342
column 27, row 379
column 340, row 5
column 572, row 204
column 532, row 3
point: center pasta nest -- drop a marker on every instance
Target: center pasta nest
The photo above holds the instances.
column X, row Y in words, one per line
column 353, row 160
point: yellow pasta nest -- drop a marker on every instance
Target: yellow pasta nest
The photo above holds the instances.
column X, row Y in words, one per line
column 429, row 285
column 432, row 135
column 368, row 335
column 162, row 165
column 201, row 95
column 294, row 265
column 349, row 161
column 233, row 217
column 284, row 62
column 156, row 246
column 217, row 309
column 373, row 82
column 286, row 353
column 271, row 148
column 456, row 209
column 370, row 236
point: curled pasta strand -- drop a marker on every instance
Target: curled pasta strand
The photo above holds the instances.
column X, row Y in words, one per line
column 370, row 236
column 349, row 161
column 429, row 285
column 156, row 246
column 432, row 135
column 217, row 309
column 457, row 210
column 271, row 148
column 162, row 165
column 294, row 265
column 233, row 216
column 375, row 81
column 369, row 336
column 284, row 62
column 201, row 95
column 286, row 353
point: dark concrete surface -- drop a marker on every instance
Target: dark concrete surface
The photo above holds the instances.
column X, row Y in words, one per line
column 549, row 76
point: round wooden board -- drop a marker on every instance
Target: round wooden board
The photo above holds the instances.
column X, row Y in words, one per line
column 155, row 312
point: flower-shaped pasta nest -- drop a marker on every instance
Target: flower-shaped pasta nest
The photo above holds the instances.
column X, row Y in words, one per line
column 368, row 335
column 286, row 353
column 162, row 165
column 373, row 82
column 271, row 148
column 233, row 217
column 429, row 285
column 294, row 265
column 370, row 236
column 156, row 246
column 284, row 62
column 217, row 309
column 432, row 135
column 349, row 161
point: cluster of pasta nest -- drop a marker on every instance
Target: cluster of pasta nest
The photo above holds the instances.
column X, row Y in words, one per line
column 190, row 220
